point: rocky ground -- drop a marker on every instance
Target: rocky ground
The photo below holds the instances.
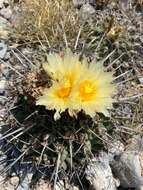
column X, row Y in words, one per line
column 113, row 26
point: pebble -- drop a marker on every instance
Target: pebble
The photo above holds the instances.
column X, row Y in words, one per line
column 14, row 181
column 25, row 183
column 2, row 3
column 79, row 3
column 3, row 50
column 114, row 149
column 99, row 173
column 62, row 186
column 2, row 86
column 124, row 4
column 4, row 28
column 141, row 80
column 43, row 185
column 87, row 10
column 6, row 13
column 4, row 71
column 3, row 21
column 5, row 9
column 127, row 168
column 74, row 188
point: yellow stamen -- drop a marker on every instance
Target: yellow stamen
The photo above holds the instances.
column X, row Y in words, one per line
column 64, row 90
column 86, row 90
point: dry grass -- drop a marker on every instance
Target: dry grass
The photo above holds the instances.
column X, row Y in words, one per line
column 48, row 20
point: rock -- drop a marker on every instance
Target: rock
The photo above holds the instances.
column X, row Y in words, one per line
column 3, row 3
column 135, row 143
column 3, row 22
column 10, row 183
column 127, row 168
column 4, row 71
column 7, row 186
column 87, row 10
column 73, row 188
column 3, row 50
column 99, row 173
column 141, row 80
column 62, row 186
column 124, row 4
column 25, row 183
column 5, row 9
column 115, row 149
column 2, row 86
column 14, row 181
column 79, row 3
column 43, row 185
column 4, row 28
column 6, row 12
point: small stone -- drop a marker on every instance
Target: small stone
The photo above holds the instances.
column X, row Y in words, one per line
column 43, row 185
column 26, row 182
column 4, row 71
column 127, row 168
column 141, row 80
column 3, row 50
column 3, row 22
column 4, row 28
column 6, row 3
column 124, row 4
column 79, row 3
column 1, row 4
column 2, row 86
column 99, row 173
column 60, row 185
column 14, row 180
column 87, row 10
column 73, row 188
column 5, row 9
column 6, row 12
column 114, row 149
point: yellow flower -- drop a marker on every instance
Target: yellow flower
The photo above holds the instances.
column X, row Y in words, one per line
column 65, row 71
column 93, row 91
column 56, row 97
column 77, row 85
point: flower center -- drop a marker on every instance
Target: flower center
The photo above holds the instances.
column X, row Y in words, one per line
column 64, row 90
column 86, row 90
